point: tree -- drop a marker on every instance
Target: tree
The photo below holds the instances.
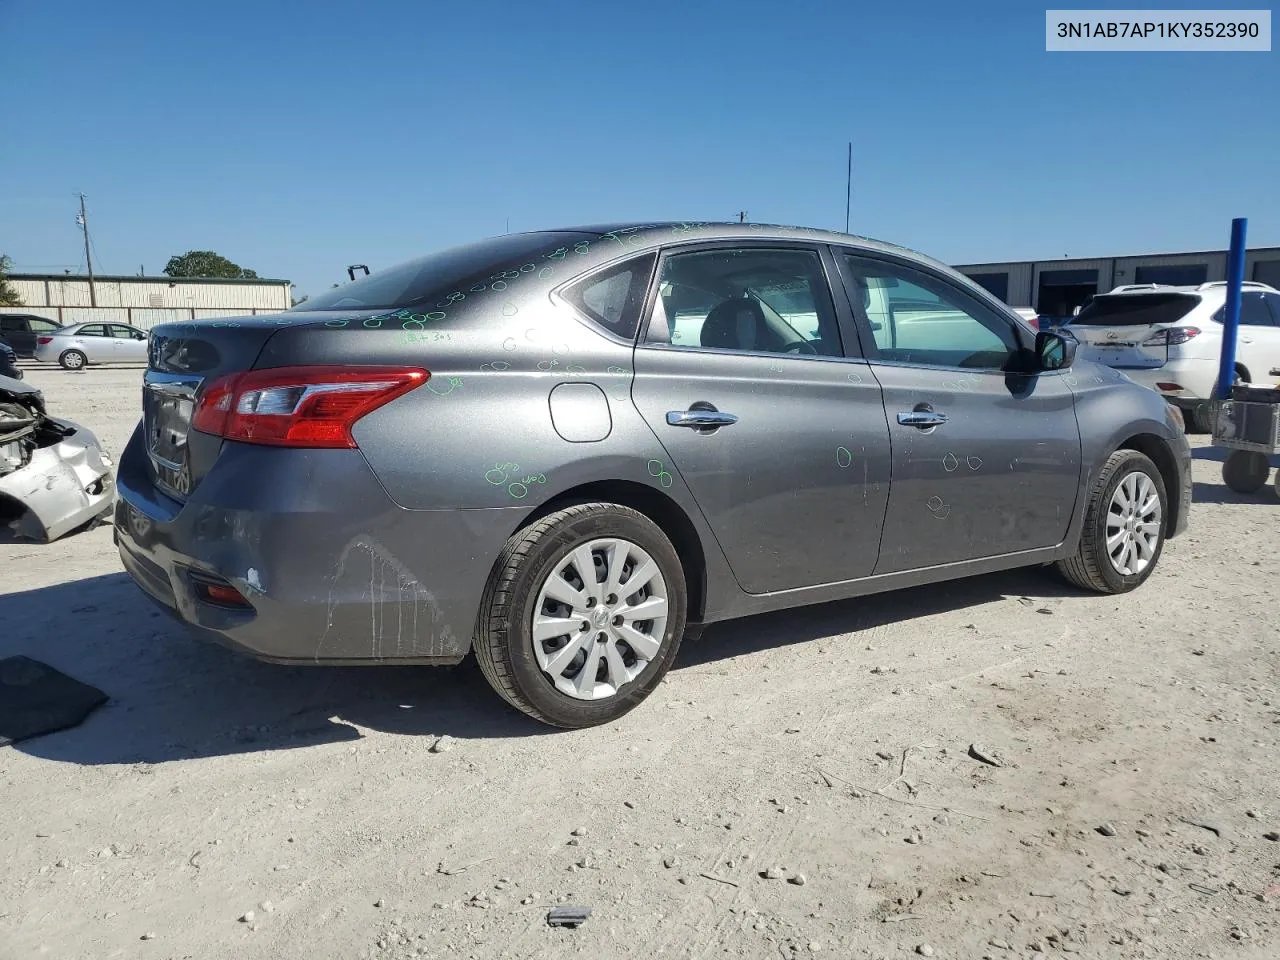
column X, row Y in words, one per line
column 206, row 263
column 8, row 296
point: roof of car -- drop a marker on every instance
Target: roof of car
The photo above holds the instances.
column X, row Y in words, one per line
column 728, row 230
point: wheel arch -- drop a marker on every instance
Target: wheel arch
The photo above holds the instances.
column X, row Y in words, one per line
column 659, row 508
column 1156, row 449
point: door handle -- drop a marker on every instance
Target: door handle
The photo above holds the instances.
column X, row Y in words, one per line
column 700, row 419
column 922, row 418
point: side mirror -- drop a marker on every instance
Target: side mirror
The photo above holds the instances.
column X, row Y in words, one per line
column 139, row 336
column 1054, row 350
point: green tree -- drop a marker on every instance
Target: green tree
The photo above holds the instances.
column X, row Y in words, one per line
column 206, row 263
column 8, row 296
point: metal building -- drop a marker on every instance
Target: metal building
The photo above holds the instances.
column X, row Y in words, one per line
column 144, row 301
column 1054, row 288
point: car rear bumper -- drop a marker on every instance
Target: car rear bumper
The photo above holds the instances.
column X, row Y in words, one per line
column 1193, row 378
column 332, row 570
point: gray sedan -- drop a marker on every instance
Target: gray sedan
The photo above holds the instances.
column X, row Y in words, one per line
column 567, row 451
column 80, row 344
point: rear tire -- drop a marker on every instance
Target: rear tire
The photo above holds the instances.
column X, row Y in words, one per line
column 1109, row 527
column 73, row 360
column 1200, row 417
column 1245, row 471
column 542, row 560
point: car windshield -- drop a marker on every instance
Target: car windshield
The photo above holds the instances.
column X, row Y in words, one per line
column 410, row 283
column 1134, row 310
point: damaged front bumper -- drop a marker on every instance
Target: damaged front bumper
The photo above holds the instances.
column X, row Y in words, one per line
column 61, row 487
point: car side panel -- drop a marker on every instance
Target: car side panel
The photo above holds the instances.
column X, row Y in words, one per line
column 1111, row 409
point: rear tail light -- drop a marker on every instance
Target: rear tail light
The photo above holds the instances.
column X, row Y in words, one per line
column 299, row 406
column 1172, row 336
column 44, row 340
column 1169, row 387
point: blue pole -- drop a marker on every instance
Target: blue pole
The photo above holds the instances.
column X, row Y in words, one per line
column 1231, row 321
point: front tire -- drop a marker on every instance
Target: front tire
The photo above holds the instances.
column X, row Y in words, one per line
column 1124, row 526
column 73, row 360
column 601, row 565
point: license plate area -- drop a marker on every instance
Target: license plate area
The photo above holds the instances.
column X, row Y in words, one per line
column 167, row 406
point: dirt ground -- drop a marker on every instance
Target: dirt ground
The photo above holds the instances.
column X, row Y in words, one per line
column 221, row 808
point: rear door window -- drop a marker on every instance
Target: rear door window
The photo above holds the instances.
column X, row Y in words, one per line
column 1253, row 311
column 92, row 330
column 13, row 323
column 1135, row 310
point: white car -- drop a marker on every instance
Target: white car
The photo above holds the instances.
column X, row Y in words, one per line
column 1169, row 338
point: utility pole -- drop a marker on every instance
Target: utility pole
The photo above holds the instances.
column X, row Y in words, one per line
column 742, row 216
column 83, row 220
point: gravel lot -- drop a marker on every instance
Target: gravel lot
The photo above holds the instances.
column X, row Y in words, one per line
column 217, row 807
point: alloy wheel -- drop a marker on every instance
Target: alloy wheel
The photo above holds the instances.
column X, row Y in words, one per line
column 1135, row 524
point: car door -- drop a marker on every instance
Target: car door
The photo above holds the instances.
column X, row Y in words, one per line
column 780, row 437
column 1264, row 337
column 14, row 331
column 129, row 344
column 94, row 340
column 985, row 462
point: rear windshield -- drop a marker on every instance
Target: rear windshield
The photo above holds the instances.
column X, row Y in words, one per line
column 1133, row 310
column 409, row 284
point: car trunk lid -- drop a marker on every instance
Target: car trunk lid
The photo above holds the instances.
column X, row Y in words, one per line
column 181, row 357
column 1125, row 330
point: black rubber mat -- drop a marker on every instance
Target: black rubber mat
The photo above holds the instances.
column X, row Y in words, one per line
column 36, row 699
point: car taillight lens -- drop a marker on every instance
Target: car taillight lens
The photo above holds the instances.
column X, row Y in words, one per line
column 299, row 406
column 43, row 340
column 1172, row 336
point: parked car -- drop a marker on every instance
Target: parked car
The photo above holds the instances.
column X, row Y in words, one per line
column 20, row 330
column 499, row 449
column 79, row 344
column 9, row 362
column 54, row 476
column 1170, row 338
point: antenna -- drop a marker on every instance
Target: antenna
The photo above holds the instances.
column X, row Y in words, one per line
column 742, row 216
column 848, row 187
column 83, row 220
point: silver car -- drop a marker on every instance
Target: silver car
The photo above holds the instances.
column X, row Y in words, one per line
column 80, row 344
column 562, row 451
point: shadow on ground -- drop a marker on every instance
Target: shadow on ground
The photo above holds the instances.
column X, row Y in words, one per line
column 1220, row 492
column 176, row 697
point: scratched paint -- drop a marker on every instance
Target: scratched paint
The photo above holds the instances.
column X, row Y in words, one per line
column 660, row 473
column 405, row 619
column 939, row 508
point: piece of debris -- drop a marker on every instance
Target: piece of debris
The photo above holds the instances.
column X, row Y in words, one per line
column 567, row 916
column 799, row 880
column 982, row 754
column 1213, row 828
column 884, row 755
column 793, row 730
column 1045, row 610
column 578, row 832
column 772, row 873
column 443, row 744
column 1201, row 888
column 1107, row 830
column 670, row 862
column 38, row 699
column 708, row 876
column 899, row 917
column 454, row 871
column 266, row 906
column 924, row 950
column 1046, row 896
column 628, row 804
column 1272, row 835
column 147, row 936
column 247, row 916
column 379, row 904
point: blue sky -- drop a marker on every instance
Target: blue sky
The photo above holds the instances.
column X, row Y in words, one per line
column 296, row 138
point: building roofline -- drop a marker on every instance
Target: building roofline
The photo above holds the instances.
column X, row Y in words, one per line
column 1122, row 256
column 111, row 278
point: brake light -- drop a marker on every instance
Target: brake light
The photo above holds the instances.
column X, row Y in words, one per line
column 299, row 406
column 1172, row 336
column 43, row 340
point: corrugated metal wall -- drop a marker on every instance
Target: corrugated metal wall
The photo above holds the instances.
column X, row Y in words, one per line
column 144, row 302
